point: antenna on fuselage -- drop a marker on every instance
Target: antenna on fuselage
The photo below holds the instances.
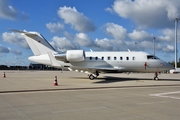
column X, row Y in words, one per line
column 91, row 50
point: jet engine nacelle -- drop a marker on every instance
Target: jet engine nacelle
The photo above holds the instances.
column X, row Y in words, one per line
column 75, row 55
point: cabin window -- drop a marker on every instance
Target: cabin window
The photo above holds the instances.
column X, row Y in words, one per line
column 152, row 57
column 90, row 58
column 102, row 58
column 96, row 58
column 114, row 58
column 127, row 58
column 133, row 58
column 109, row 58
column 121, row 58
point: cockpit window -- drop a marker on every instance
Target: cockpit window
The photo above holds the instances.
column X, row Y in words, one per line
column 152, row 57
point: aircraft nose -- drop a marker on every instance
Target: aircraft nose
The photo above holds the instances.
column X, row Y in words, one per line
column 166, row 66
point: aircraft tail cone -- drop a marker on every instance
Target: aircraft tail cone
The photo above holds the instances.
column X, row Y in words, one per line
column 4, row 76
column 55, row 81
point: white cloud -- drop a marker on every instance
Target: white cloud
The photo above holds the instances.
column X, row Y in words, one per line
column 9, row 12
column 168, row 35
column 63, row 44
column 104, row 44
column 132, row 46
column 170, row 48
column 157, row 16
column 3, row 49
column 55, row 27
column 140, row 35
column 84, row 40
column 144, row 40
column 121, row 40
column 115, row 30
column 172, row 7
column 164, row 38
column 68, row 35
column 148, row 13
column 16, row 52
column 165, row 48
column 168, row 32
column 145, row 45
column 9, row 50
column 15, row 38
column 108, row 9
column 78, row 20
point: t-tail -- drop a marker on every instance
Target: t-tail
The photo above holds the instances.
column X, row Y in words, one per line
column 37, row 42
column 42, row 50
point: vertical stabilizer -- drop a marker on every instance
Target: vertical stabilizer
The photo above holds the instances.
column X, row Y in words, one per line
column 37, row 42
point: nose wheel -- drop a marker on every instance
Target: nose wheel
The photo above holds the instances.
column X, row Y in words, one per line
column 156, row 76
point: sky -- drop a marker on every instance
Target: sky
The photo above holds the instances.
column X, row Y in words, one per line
column 100, row 25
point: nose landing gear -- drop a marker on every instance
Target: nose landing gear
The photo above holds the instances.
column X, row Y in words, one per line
column 156, row 76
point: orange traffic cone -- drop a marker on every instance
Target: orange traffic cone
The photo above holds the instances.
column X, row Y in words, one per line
column 4, row 76
column 55, row 81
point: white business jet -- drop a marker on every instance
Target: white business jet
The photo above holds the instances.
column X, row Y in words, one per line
column 92, row 62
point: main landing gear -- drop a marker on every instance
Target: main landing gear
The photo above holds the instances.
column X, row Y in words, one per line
column 156, row 76
column 94, row 75
column 91, row 77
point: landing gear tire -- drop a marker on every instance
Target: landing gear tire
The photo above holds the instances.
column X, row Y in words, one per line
column 156, row 78
column 91, row 77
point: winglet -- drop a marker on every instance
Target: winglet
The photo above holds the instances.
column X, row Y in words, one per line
column 54, row 62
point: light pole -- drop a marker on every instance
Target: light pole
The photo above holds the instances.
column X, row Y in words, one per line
column 176, row 23
column 154, row 45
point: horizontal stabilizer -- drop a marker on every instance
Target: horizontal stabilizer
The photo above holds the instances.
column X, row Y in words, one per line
column 18, row 31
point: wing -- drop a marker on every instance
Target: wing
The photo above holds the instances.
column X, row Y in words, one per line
column 99, row 69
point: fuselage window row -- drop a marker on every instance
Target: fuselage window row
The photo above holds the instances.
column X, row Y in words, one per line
column 109, row 58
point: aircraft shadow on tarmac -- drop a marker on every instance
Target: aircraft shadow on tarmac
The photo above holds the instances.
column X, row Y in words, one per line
column 111, row 79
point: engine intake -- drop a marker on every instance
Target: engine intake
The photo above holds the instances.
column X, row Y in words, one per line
column 75, row 55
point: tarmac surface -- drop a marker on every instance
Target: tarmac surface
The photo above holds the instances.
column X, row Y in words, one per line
column 31, row 95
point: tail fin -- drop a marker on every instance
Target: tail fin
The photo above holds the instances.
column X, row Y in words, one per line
column 37, row 42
